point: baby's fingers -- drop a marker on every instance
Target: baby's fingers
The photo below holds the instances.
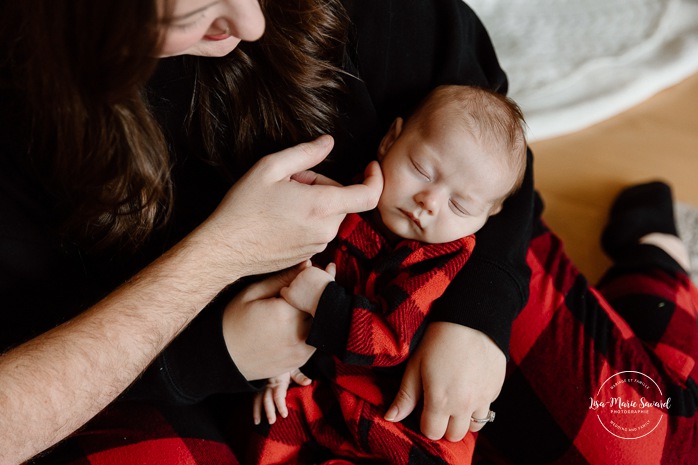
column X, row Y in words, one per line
column 280, row 401
column 331, row 269
column 257, row 408
column 269, row 406
column 299, row 378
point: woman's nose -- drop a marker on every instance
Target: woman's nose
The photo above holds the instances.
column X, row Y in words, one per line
column 245, row 19
column 220, row 26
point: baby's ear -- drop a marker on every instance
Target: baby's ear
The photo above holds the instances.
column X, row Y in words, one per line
column 496, row 208
column 389, row 138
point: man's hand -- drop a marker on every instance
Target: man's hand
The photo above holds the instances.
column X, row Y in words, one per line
column 461, row 372
column 264, row 334
column 280, row 213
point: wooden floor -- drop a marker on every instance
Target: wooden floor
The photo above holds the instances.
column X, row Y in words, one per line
column 579, row 174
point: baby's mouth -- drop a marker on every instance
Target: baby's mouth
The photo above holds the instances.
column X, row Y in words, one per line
column 414, row 219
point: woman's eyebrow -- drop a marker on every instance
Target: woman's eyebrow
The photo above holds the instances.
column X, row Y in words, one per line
column 192, row 13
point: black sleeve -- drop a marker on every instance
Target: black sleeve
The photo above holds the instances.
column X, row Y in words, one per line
column 332, row 317
column 195, row 365
column 404, row 48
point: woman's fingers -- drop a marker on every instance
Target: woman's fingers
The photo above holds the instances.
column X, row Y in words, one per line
column 457, row 428
column 434, row 423
column 461, row 372
column 479, row 419
column 409, row 393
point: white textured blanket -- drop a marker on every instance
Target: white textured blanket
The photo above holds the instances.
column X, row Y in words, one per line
column 687, row 224
column 573, row 63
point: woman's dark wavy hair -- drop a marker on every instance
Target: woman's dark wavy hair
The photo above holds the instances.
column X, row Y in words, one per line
column 81, row 66
column 284, row 87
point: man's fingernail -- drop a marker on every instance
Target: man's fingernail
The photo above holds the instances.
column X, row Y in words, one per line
column 391, row 413
column 323, row 141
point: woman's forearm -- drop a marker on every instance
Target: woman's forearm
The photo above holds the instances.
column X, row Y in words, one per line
column 53, row 384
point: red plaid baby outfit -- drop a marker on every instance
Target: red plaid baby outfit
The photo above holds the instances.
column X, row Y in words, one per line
column 392, row 289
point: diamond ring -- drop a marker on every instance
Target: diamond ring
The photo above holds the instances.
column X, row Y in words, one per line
column 488, row 419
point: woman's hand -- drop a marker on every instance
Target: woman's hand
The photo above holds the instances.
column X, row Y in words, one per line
column 461, row 372
column 280, row 214
column 265, row 335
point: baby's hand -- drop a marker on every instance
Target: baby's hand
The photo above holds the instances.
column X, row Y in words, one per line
column 305, row 290
column 273, row 397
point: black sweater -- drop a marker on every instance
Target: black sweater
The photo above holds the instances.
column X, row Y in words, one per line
column 400, row 49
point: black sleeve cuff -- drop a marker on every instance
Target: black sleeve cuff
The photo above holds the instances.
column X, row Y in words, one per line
column 330, row 330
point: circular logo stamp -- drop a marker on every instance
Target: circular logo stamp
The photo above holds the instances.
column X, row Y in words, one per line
column 630, row 405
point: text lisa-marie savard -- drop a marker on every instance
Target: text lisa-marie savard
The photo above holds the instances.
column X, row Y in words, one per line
column 620, row 403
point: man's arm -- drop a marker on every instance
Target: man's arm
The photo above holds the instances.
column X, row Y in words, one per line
column 53, row 384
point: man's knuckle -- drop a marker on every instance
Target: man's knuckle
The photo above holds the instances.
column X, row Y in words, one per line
column 437, row 403
column 264, row 165
column 327, row 234
column 319, row 208
column 306, row 148
column 371, row 202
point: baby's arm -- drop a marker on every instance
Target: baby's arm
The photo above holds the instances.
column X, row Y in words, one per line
column 273, row 396
column 383, row 324
column 303, row 293
column 305, row 290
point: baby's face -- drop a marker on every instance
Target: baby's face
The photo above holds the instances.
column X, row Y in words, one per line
column 439, row 183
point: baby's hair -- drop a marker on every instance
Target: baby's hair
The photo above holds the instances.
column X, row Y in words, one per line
column 494, row 119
